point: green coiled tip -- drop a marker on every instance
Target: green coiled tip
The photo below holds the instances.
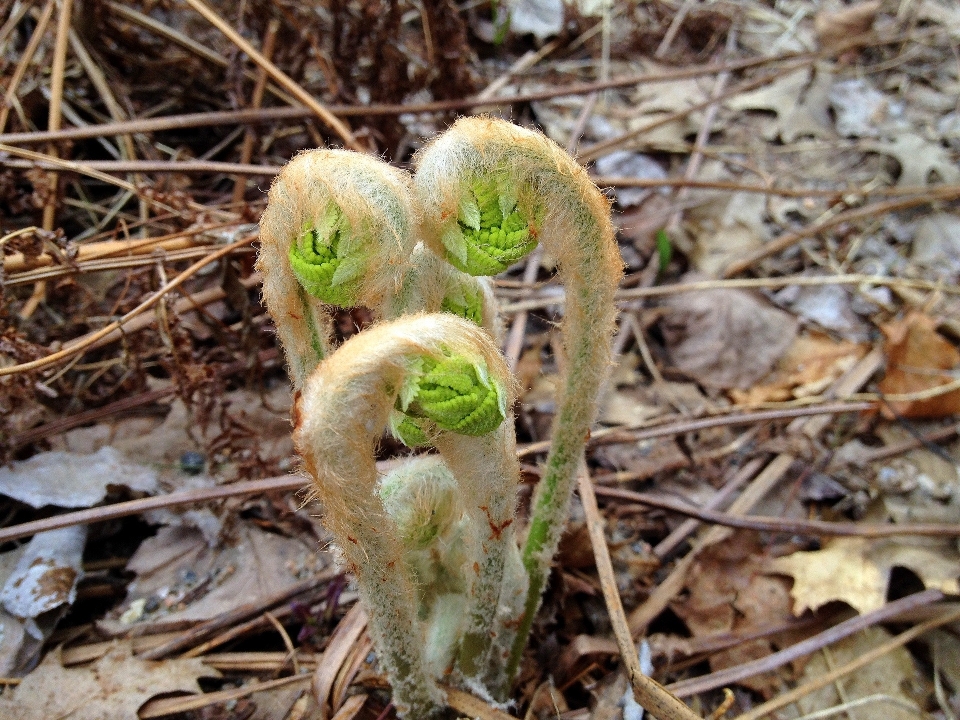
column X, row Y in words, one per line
column 452, row 394
column 322, row 261
column 491, row 232
column 464, row 302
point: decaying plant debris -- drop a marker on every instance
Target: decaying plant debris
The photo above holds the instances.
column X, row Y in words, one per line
column 775, row 455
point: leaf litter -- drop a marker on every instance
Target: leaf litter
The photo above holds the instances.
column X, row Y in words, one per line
column 195, row 399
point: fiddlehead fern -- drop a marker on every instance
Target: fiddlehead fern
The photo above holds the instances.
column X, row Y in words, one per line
column 482, row 172
column 339, row 229
column 342, row 410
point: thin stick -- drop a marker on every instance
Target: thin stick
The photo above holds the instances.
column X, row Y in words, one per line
column 621, row 434
column 246, row 151
column 293, row 113
column 874, row 210
column 819, row 528
column 649, row 693
column 73, row 348
column 858, row 623
column 347, row 632
column 703, row 134
column 55, row 114
column 852, row 666
column 685, row 529
column 278, row 75
column 674, row 28
column 54, row 119
column 745, row 284
column 162, row 707
column 9, row 97
column 236, row 615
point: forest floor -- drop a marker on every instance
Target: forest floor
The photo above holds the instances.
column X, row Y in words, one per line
column 776, row 452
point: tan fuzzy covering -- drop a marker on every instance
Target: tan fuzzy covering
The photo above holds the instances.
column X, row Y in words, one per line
column 339, row 418
column 576, row 229
column 377, row 202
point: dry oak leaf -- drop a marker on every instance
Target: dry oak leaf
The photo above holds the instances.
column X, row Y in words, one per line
column 725, row 338
column 857, row 570
column 113, row 688
column 727, row 591
column 810, row 365
column 917, row 357
column 895, row 674
column 835, row 28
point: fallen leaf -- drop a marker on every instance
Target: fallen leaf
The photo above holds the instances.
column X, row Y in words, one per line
column 857, row 570
column 70, row 480
column 863, row 111
column 779, row 97
column 112, row 689
column 542, row 18
column 729, row 592
column 936, row 243
column 181, row 579
column 38, row 589
column 919, row 159
column 891, row 675
column 726, row 338
column 917, row 358
column 811, row 364
column 727, row 229
column 836, row 27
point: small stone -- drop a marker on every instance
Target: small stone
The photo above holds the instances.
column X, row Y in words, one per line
column 192, row 462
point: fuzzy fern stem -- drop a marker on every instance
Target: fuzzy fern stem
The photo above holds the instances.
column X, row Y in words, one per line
column 447, row 375
column 339, row 229
column 495, row 190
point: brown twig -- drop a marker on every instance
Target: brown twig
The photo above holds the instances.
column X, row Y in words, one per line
column 249, row 136
column 874, row 210
column 687, row 688
column 685, row 529
column 816, row 528
column 627, row 294
column 192, row 120
column 619, row 434
column 76, row 347
column 648, row 693
column 346, row 634
column 9, row 97
column 278, row 75
column 239, row 614
column 852, row 666
column 161, row 707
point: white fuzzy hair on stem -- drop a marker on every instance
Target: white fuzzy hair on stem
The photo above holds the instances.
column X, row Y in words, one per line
column 369, row 206
column 339, row 418
column 539, row 183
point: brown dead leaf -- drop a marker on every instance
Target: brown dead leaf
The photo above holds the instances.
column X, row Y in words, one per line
column 917, row 357
column 181, row 579
column 729, row 592
column 857, row 570
column 919, row 159
column 837, row 27
column 112, row 689
column 811, row 364
column 726, row 338
column 893, row 674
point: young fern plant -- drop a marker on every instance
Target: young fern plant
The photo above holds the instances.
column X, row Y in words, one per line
column 447, row 379
column 341, row 228
column 338, row 229
column 494, row 190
